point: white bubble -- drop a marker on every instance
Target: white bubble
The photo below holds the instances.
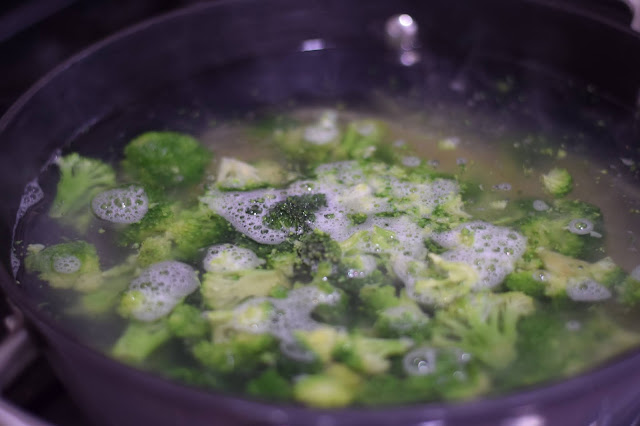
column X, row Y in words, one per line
column 540, row 206
column 580, row 226
column 66, row 264
column 229, row 258
column 121, row 205
column 162, row 286
column 587, row 291
column 420, row 361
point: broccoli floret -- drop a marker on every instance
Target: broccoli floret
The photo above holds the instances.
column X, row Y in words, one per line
column 242, row 353
column 362, row 139
column 321, row 341
column 187, row 322
column 563, row 273
column 628, row 291
column 81, row 179
column 153, row 250
column 73, row 265
column 553, row 345
column 139, row 340
column 311, row 145
column 442, row 281
column 270, row 385
column 337, row 386
column 369, row 355
column 314, row 248
column 226, row 290
column 240, row 176
column 153, row 224
column 527, row 282
column 441, row 373
column 165, row 159
column 105, row 298
column 557, row 229
column 558, row 182
column 405, row 319
column 296, row 212
column 484, row 325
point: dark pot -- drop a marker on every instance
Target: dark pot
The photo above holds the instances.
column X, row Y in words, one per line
column 230, row 57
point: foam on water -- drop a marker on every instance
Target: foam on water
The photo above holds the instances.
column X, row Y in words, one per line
column 162, row 286
column 493, row 250
column 587, row 291
column 229, row 258
column 31, row 195
column 121, row 205
column 286, row 317
column 66, row 264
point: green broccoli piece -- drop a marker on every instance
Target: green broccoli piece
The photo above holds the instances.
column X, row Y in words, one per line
column 153, row 250
column 564, row 271
column 240, row 176
column 165, row 159
column 552, row 345
column 369, row 355
column 314, row 248
column 139, row 340
column 197, row 228
column 242, row 353
column 558, row 182
column 362, row 140
column 73, row 265
column 226, row 290
column 628, row 291
column 105, row 298
column 337, row 386
column 527, row 282
column 311, row 145
column 484, row 325
column 442, row 281
column 187, row 322
column 153, row 224
column 81, row 179
column 173, row 231
column 447, row 375
column 554, row 229
column 296, row 212
column 270, row 385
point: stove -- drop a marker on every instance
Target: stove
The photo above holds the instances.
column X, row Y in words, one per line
column 35, row 36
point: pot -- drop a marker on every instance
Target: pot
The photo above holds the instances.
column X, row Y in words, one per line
column 224, row 59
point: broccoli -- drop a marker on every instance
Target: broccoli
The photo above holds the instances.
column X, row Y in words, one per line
column 241, row 353
column 81, row 179
column 484, row 325
column 552, row 345
column 441, row 282
column 177, row 232
column 165, row 160
column 187, row 322
column 432, row 374
column 335, row 387
column 628, row 291
column 556, row 229
column 314, row 248
column 240, row 176
column 527, row 282
column 73, row 265
column 105, row 298
column 564, row 273
column 226, row 290
column 312, row 145
column 362, row 139
column 153, row 250
column 270, row 385
column 139, row 340
column 369, row 355
column 296, row 212
column 558, row 182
